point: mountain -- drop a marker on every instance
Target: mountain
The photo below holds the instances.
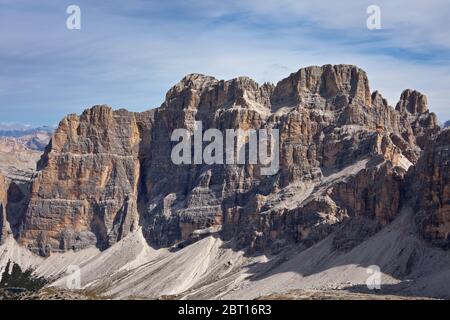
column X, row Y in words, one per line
column 20, row 149
column 18, row 130
column 26, row 136
column 446, row 124
column 4, row 225
column 360, row 183
column 108, row 171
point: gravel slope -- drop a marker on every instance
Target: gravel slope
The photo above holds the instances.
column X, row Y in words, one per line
column 212, row 269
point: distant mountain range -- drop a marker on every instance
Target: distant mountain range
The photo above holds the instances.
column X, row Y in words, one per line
column 447, row 124
column 17, row 136
column 19, row 130
column 20, row 148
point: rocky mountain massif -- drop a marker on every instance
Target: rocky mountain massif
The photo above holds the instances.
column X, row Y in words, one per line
column 351, row 169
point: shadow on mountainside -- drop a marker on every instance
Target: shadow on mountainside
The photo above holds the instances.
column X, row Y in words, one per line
column 409, row 266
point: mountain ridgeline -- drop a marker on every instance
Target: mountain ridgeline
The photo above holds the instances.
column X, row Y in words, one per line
column 345, row 155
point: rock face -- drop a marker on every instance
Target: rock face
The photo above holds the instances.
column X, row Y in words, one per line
column 344, row 153
column 85, row 190
column 414, row 107
column 429, row 191
column 328, row 121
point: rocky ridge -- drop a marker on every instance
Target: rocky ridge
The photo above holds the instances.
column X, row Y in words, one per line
column 344, row 156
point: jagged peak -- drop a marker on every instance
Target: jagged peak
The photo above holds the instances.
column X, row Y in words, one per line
column 97, row 110
column 195, row 89
column 197, row 77
column 412, row 101
column 199, row 82
column 336, row 68
column 378, row 99
column 194, row 81
column 328, row 81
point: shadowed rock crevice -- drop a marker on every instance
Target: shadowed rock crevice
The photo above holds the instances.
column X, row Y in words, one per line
column 428, row 191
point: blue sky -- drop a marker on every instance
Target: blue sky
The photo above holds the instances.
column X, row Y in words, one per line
column 129, row 53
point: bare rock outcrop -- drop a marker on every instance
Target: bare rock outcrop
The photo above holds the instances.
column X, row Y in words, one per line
column 341, row 83
column 428, row 188
column 328, row 121
column 86, row 188
column 344, row 153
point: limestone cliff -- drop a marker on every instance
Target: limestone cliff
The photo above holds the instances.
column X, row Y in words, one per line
column 344, row 153
column 85, row 190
